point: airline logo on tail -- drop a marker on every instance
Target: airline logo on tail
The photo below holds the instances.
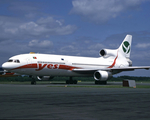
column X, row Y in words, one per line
column 126, row 47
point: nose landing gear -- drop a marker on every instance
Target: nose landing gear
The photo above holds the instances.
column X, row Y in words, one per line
column 33, row 81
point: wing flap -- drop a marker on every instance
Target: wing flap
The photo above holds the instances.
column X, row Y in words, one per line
column 131, row 68
column 91, row 71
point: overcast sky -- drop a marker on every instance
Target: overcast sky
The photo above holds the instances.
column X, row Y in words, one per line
column 75, row 27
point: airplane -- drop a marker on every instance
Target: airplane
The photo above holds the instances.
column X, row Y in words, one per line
column 47, row 66
column 4, row 73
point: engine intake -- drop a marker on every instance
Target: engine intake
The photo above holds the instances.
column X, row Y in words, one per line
column 102, row 52
column 108, row 52
column 102, row 75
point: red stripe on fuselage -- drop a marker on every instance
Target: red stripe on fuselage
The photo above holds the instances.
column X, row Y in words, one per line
column 66, row 67
column 114, row 62
column 27, row 66
column 42, row 66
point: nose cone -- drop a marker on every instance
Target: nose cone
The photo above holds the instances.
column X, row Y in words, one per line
column 6, row 66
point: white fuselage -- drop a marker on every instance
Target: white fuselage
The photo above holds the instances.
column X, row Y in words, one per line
column 58, row 65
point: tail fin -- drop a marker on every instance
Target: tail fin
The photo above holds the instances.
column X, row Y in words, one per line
column 125, row 47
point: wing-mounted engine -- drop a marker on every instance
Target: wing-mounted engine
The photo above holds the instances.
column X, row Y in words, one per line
column 108, row 52
column 102, row 75
column 44, row 77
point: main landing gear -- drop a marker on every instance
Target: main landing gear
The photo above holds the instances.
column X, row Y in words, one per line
column 33, row 82
column 71, row 81
column 100, row 82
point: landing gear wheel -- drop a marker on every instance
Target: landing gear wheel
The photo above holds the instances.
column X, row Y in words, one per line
column 75, row 82
column 100, row 82
column 67, row 82
column 96, row 82
column 71, row 81
column 33, row 82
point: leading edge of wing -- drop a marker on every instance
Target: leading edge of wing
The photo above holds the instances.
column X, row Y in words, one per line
column 109, row 69
column 85, row 71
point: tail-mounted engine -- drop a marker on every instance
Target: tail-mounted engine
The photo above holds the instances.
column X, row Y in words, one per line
column 108, row 52
column 102, row 75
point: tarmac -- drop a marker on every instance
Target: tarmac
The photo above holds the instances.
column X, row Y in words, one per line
column 55, row 102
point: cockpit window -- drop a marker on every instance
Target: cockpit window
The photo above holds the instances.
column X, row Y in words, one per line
column 15, row 61
column 10, row 60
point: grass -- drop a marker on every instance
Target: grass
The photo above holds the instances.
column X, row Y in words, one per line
column 79, row 85
column 142, row 86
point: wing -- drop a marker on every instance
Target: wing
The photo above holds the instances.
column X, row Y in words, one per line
column 132, row 68
column 91, row 71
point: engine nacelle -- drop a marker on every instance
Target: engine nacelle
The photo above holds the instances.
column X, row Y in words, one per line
column 44, row 77
column 130, row 62
column 108, row 52
column 102, row 75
